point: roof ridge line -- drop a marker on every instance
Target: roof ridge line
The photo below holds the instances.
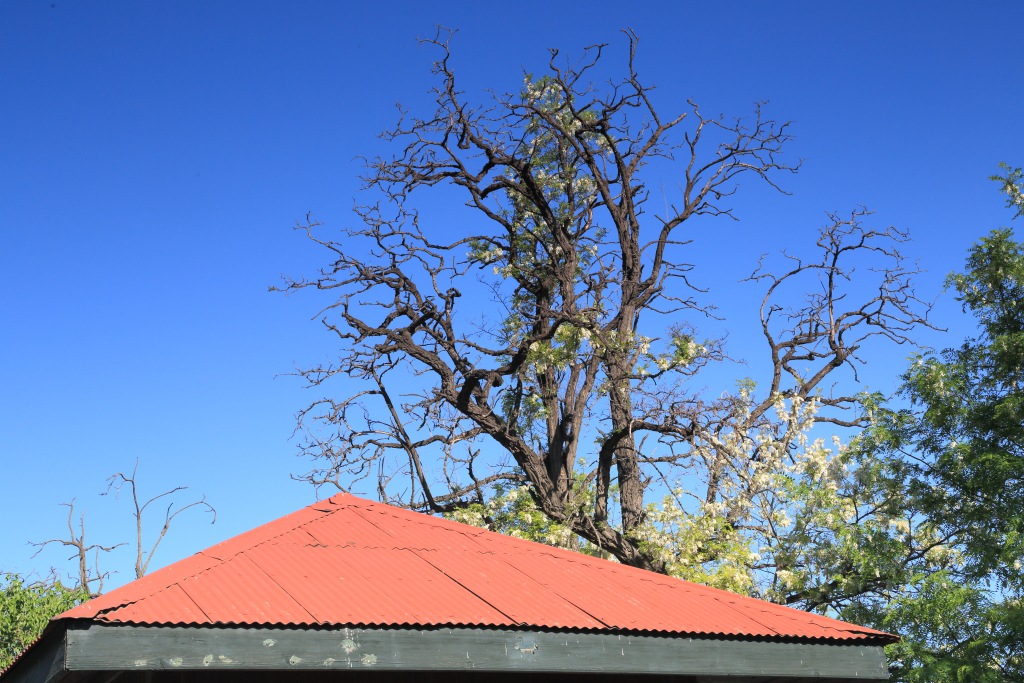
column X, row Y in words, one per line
column 355, row 568
column 288, row 530
column 484, row 549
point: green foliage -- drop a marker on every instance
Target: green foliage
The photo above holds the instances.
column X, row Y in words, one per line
column 972, row 400
column 25, row 609
column 963, row 619
column 914, row 526
column 704, row 547
column 512, row 511
column 953, row 631
column 1011, row 182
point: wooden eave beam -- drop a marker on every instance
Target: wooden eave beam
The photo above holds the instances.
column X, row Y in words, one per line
column 102, row 647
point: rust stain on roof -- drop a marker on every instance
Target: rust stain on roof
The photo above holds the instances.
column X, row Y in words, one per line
column 346, row 561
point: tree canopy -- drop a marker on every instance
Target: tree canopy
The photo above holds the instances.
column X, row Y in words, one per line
column 963, row 441
column 572, row 408
column 580, row 384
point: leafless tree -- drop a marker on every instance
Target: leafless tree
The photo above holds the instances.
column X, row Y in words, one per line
column 90, row 578
column 576, row 379
column 89, row 575
column 118, row 481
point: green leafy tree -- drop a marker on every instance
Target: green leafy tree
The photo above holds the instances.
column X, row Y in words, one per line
column 972, row 397
column 961, row 447
column 971, row 425
column 25, row 609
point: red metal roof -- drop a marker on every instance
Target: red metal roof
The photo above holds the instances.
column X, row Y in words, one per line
column 346, row 561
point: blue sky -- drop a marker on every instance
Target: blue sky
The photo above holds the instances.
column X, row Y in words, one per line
column 154, row 156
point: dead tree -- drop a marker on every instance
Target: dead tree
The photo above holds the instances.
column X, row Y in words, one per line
column 574, row 379
column 142, row 556
column 90, row 578
column 89, row 575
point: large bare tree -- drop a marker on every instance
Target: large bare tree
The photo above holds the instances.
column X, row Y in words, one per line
column 548, row 341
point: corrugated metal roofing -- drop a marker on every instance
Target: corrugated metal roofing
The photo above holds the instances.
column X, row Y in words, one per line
column 346, row 561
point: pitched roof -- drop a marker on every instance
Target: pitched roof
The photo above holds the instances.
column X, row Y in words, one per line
column 346, row 561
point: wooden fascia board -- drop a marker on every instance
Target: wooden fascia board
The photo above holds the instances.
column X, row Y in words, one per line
column 95, row 647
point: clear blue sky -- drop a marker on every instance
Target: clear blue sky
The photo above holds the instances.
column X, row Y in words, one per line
column 154, row 155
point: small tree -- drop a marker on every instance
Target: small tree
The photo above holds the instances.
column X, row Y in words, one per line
column 143, row 557
column 581, row 387
column 88, row 574
column 27, row 606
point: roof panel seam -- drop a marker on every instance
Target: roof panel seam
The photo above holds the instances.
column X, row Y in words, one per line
column 554, row 592
column 465, row 587
column 357, row 570
column 359, row 513
column 749, row 616
column 101, row 614
column 283, row 589
column 193, row 601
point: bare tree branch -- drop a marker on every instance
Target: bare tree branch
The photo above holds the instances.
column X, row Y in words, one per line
column 118, row 481
column 87, row 576
column 586, row 355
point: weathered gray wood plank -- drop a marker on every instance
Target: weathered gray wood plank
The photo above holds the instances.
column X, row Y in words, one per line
column 103, row 647
column 44, row 664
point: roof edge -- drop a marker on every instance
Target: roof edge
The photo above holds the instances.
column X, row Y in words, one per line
column 857, row 638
